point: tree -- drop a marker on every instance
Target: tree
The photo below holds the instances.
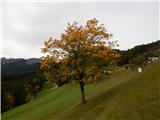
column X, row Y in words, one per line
column 9, row 98
column 79, row 54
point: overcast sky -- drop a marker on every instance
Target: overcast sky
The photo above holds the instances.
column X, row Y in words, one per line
column 26, row 25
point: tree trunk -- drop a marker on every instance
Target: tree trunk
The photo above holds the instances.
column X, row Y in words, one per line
column 81, row 83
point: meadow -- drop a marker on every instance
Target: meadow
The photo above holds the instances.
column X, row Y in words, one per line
column 125, row 95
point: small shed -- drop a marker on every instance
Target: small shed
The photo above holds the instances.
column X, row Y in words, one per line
column 139, row 69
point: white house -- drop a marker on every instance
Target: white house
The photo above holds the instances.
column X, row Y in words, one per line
column 151, row 59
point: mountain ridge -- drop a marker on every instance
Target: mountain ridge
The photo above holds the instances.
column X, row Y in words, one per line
column 19, row 65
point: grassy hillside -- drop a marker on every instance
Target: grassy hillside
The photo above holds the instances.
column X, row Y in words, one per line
column 125, row 95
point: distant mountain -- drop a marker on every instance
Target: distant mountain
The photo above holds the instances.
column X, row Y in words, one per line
column 19, row 65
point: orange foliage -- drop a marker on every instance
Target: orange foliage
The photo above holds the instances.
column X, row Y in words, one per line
column 9, row 100
column 79, row 53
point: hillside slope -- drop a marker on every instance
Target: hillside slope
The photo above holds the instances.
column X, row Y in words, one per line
column 125, row 95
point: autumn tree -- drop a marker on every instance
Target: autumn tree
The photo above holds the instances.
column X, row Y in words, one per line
column 10, row 99
column 78, row 54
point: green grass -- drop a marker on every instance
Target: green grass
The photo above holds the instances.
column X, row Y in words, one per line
column 126, row 95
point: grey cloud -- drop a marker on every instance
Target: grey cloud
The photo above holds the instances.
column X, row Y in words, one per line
column 27, row 25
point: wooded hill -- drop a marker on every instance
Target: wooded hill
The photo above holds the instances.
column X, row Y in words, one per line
column 139, row 54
